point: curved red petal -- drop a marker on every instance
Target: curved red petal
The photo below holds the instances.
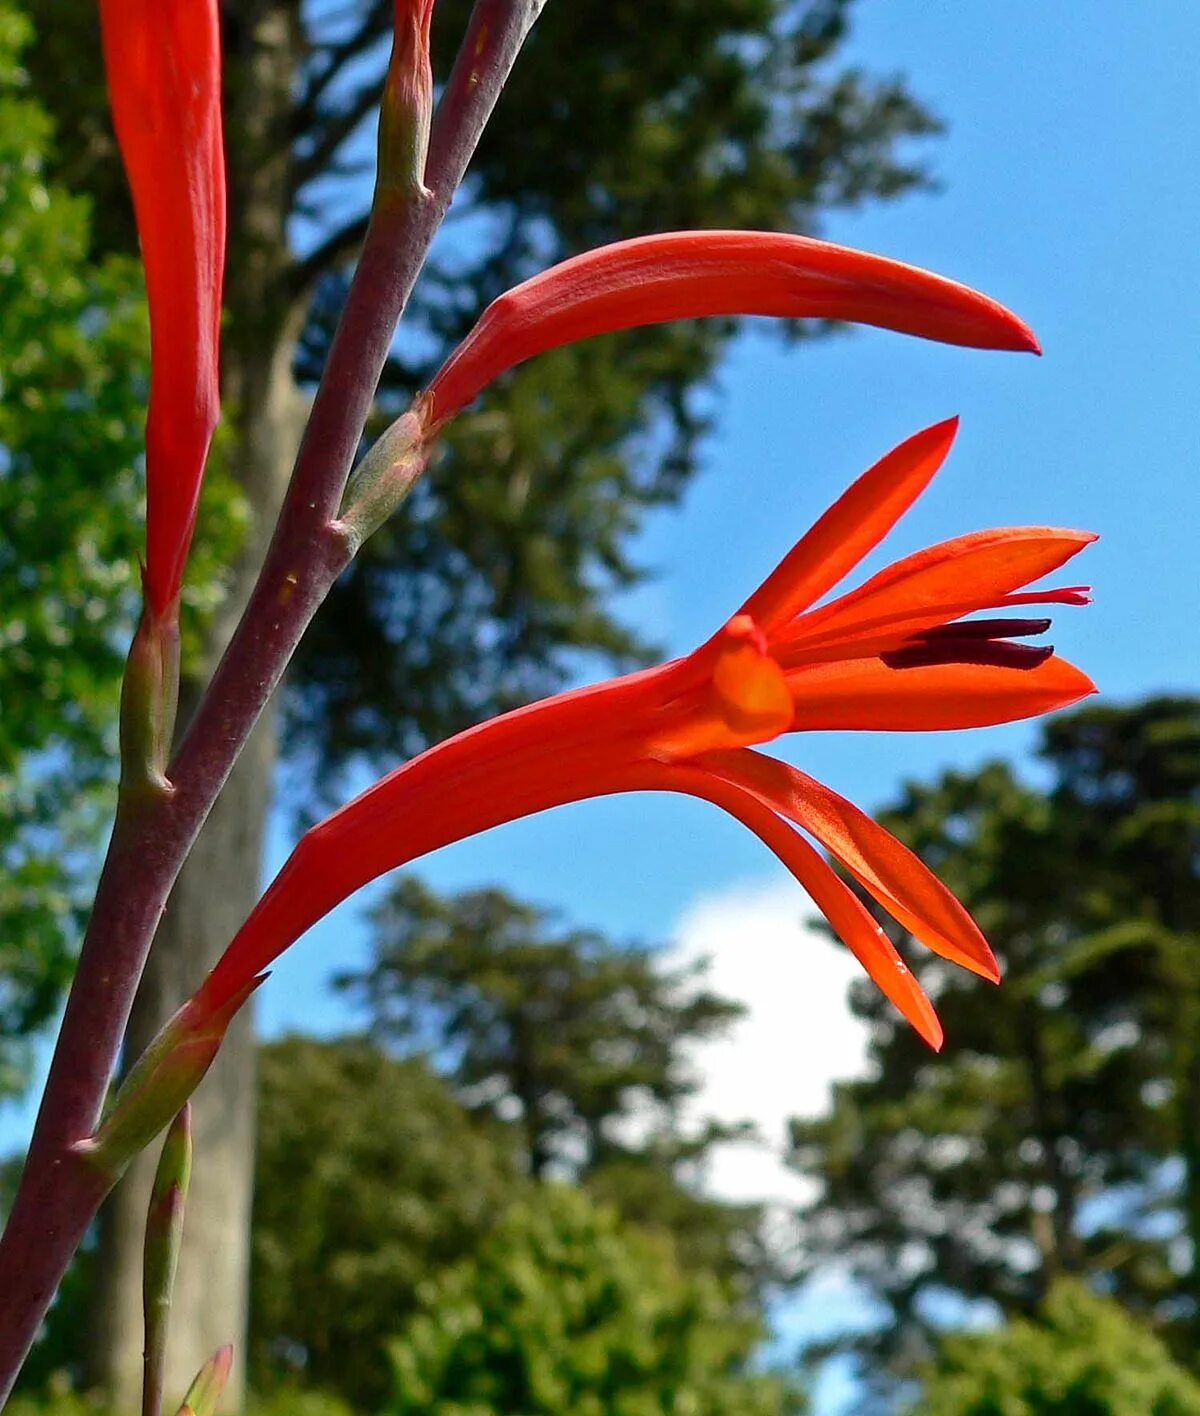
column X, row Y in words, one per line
column 864, row 694
column 690, row 274
column 934, row 585
column 884, row 866
column 844, row 911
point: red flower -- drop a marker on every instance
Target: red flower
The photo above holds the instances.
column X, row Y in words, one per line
column 163, row 59
column 688, row 274
column 896, row 653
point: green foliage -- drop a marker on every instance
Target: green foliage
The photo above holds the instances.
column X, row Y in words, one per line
column 73, row 383
column 288, row 1401
column 563, row 1310
column 1057, row 1133
column 1083, row 1356
column 563, row 1029
column 654, row 1190
column 297, row 1401
column 373, row 1179
column 572, row 1038
column 72, row 387
column 369, row 1177
column 58, row 1403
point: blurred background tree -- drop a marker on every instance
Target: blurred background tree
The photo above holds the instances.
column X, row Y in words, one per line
column 566, row 1033
column 375, row 1172
column 564, row 1309
column 583, row 1046
column 1057, row 1133
column 1084, row 1356
column 73, row 379
column 496, row 577
column 370, row 1177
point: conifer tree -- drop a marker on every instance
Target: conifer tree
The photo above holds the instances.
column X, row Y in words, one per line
column 1056, row 1135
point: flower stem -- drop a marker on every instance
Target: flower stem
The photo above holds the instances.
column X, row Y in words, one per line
column 60, row 1190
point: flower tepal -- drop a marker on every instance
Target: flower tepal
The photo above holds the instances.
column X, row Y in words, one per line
column 899, row 653
column 693, row 274
column 163, row 61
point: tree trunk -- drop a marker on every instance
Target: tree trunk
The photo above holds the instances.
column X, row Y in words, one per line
column 221, row 880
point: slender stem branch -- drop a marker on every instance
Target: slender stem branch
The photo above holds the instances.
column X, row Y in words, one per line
column 60, row 1191
column 495, row 33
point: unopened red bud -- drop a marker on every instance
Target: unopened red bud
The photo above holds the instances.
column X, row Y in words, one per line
column 407, row 105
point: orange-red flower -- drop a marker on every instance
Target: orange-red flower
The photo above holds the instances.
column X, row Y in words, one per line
column 163, row 60
column 689, row 274
column 895, row 653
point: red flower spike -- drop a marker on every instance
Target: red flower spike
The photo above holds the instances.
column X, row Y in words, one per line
column 687, row 726
column 163, row 60
column 688, row 274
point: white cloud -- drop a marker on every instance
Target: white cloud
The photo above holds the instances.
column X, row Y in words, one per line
column 797, row 1037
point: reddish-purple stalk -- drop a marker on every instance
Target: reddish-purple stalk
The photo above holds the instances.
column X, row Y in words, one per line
column 60, row 1191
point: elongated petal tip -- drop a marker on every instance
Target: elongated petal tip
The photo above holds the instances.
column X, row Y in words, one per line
column 895, row 981
column 886, row 868
column 1030, row 343
column 1070, row 683
column 852, row 527
column 698, row 274
column 988, row 325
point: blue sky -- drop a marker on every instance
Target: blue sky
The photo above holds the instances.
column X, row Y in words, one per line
column 1067, row 191
column 1064, row 192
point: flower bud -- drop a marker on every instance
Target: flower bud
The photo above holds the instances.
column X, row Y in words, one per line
column 160, row 1258
column 386, row 475
column 205, row 1391
column 407, row 105
column 161, row 1080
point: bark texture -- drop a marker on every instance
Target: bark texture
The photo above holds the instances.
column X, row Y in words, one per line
column 222, row 878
